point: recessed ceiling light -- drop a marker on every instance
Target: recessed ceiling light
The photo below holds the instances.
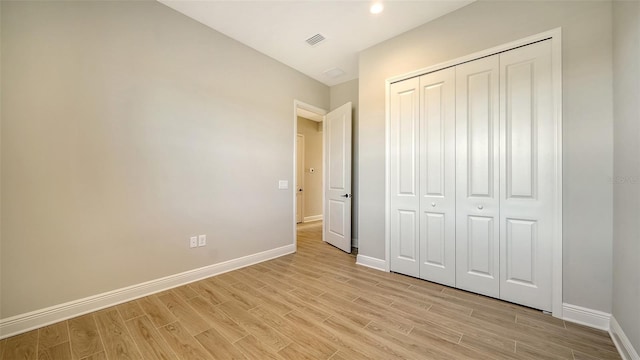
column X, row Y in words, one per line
column 376, row 8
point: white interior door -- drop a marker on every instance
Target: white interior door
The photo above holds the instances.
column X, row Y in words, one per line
column 404, row 137
column 437, row 177
column 337, row 192
column 528, row 140
column 477, row 177
column 300, row 178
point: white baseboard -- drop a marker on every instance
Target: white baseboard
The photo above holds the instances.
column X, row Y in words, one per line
column 43, row 317
column 624, row 346
column 371, row 262
column 585, row 316
column 312, row 218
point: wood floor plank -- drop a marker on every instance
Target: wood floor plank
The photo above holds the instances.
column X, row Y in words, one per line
column 300, row 285
column 3, row 346
column 297, row 303
column 491, row 346
column 219, row 347
column 53, row 335
column 368, row 311
column 23, row 347
column 115, row 336
column 219, row 320
column 447, row 309
column 295, row 351
column 84, row 337
column 246, row 302
column 337, row 289
column 583, row 330
column 314, row 345
column 458, row 352
column 357, row 317
column 418, row 348
column 182, row 343
column 268, row 280
column 130, row 310
column 186, row 292
column 97, row 356
column 537, row 353
column 545, row 320
column 156, row 311
column 61, row 351
column 206, row 292
column 188, row 317
column 228, row 278
column 374, row 346
column 249, row 280
column 494, row 317
column 577, row 355
column 264, row 333
column 151, row 344
column 264, row 298
column 253, row 349
column 344, row 344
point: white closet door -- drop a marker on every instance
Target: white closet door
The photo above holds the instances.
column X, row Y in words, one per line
column 404, row 135
column 477, row 177
column 528, row 140
column 437, row 177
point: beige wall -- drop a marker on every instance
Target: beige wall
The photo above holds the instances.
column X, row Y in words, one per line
column 126, row 128
column 587, row 115
column 339, row 95
column 312, row 131
column 626, row 181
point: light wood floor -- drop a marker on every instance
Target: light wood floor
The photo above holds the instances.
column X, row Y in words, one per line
column 316, row 304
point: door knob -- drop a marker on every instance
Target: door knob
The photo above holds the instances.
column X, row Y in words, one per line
column 346, row 196
column 480, row 207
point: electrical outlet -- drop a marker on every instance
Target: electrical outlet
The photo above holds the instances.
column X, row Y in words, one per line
column 202, row 240
column 193, row 241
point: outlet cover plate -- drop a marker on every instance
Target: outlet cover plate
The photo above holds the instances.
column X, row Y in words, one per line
column 202, row 240
column 193, row 241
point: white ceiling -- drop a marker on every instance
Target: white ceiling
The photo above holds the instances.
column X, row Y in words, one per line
column 279, row 28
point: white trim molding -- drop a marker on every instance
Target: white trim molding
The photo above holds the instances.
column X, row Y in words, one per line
column 312, row 218
column 585, row 316
column 371, row 262
column 620, row 339
column 43, row 317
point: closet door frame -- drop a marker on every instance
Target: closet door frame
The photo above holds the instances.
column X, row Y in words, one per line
column 555, row 36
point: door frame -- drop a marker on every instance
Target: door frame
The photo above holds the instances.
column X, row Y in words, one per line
column 297, row 104
column 302, row 184
column 555, row 35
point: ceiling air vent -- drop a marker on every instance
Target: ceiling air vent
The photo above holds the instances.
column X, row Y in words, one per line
column 315, row 39
column 334, row 72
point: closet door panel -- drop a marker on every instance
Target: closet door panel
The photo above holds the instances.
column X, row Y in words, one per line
column 404, row 108
column 528, row 139
column 437, row 177
column 481, row 246
column 477, row 177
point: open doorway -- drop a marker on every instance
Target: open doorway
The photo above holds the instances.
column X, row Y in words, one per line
column 335, row 172
column 309, row 171
column 308, row 165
